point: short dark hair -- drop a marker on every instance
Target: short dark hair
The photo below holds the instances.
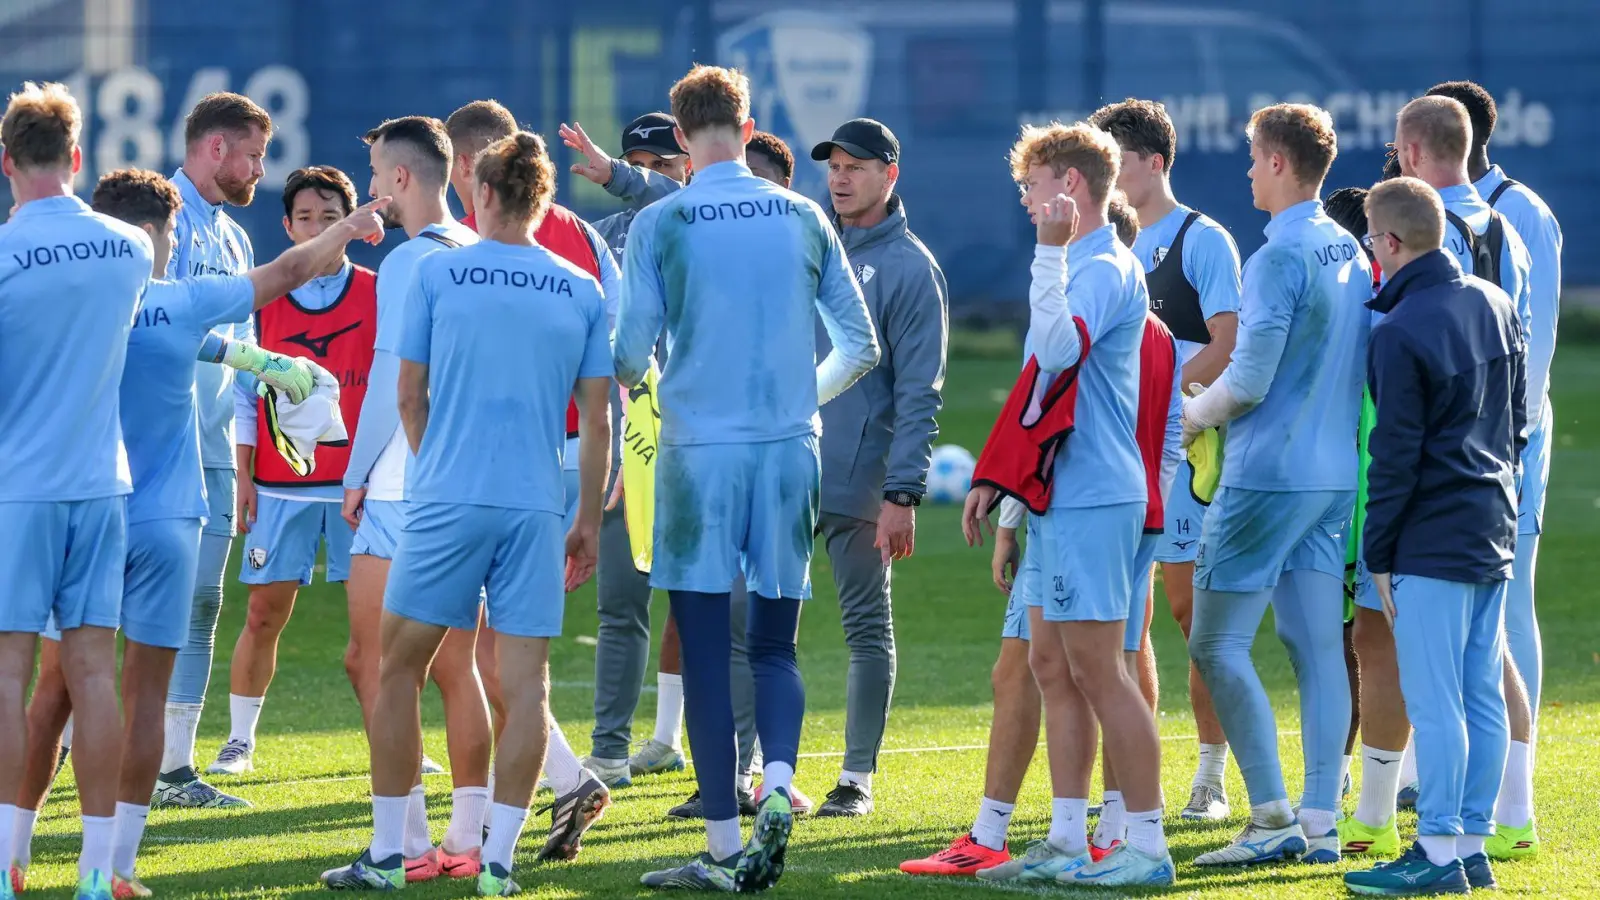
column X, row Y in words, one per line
column 423, row 138
column 1479, row 103
column 1391, row 165
column 1141, row 126
column 323, row 180
column 772, row 147
column 1119, row 212
column 227, row 112
column 1347, row 207
column 477, row 125
column 136, row 196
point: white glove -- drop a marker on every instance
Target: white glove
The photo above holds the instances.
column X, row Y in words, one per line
column 1212, row 408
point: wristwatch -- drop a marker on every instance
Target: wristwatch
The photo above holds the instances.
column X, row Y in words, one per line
column 903, row 498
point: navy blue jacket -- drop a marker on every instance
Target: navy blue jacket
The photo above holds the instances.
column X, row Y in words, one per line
column 1447, row 367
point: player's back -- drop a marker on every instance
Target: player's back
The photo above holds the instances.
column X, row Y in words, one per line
column 741, row 263
column 1463, row 201
column 70, row 280
column 1307, row 287
column 396, row 269
column 506, row 331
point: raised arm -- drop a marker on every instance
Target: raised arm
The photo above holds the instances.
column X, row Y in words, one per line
column 302, row 262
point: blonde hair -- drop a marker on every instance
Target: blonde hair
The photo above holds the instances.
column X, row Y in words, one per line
column 41, row 126
column 1302, row 133
column 520, row 171
column 710, row 97
column 1440, row 124
column 1081, row 146
column 1408, row 209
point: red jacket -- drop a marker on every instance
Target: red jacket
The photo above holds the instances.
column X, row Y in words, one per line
column 1158, row 360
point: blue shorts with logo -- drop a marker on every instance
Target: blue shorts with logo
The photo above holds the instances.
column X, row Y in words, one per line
column 381, row 524
column 726, row 508
column 1143, row 564
column 1084, row 558
column 158, row 583
column 1016, row 625
column 65, row 559
column 282, row 544
column 1252, row 537
column 450, row 553
column 1184, row 513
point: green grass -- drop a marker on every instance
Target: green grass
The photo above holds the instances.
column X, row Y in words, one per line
column 311, row 793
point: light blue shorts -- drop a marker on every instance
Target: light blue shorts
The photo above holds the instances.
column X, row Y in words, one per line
column 381, row 524
column 64, row 558
column 222, row 498
column 1535, row 477
column 158, row 583
column 1252, row 537
column 1016, row 625
column 282, row 544
column 1180, row 542
column 449, row 553
column 726, row 508
column 1084, row 558
column 1143, row 562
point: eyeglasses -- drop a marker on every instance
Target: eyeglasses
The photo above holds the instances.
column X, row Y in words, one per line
column 1368, row 240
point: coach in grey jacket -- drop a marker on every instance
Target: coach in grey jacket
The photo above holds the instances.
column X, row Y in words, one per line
column 652, row 166
column 877, row 436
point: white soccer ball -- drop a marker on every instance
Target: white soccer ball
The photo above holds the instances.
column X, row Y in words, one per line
column 950, row 474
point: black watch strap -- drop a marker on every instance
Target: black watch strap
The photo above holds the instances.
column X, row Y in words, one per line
column 903, row 498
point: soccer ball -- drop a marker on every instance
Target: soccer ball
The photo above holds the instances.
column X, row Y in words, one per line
column 950, row 474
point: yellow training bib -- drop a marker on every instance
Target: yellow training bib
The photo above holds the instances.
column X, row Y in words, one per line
column 641, row 433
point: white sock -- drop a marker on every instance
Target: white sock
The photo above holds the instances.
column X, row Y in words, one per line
column 1441, row 848
column 862, row 780
column 129, row 832
column 1213, row 760
column 722, row 838
column 994, row 820
column 388, row 826
column 1316, row 823
column 1514, row 808
column 561, row 765
column 1408, row 766
column 244, row 712
column 20, row 850
column 1469, row 845
column 12, row 843
column 669, row 710
column 1380, row 782
column 66, row 735
column 182, row 724
column 1145, row 833
column 96, row 855
column 775, row 775
column 1273, row 814
column 418, row 840
column 1113, row 825
column 505, row 827
column 467, row 806
column 1068, row 823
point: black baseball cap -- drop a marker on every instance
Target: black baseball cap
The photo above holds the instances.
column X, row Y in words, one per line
column 863, row 139
column 653, row 133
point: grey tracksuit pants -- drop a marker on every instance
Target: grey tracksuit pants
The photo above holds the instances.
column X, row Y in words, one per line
column 863, row 585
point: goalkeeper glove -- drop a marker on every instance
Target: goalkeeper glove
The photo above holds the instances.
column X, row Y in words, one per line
column 293, row 376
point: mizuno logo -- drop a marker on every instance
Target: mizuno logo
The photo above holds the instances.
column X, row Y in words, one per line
column 644, row 133
column 1183, row 545
column 319, row 345
column 1381, row 762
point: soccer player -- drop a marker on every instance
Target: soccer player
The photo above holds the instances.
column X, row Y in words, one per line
column 738, row 470
column 410, row 160
column 1191, row 267
column 1447, row 371
column 653, row 165
column 1087, row 542
column 331, row 320
column 64, row 486
column 171, row 329
column 877, row 437
column 496, row 338
column 1432, row 138
column 225, row 146
column 1541, row 235
column 1274, row 534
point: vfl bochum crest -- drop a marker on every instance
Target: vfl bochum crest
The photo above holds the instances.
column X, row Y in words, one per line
column 864, row 274
column 1158, row 256
column 807, row 74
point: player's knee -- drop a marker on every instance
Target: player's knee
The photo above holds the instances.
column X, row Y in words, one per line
column 1012, row 674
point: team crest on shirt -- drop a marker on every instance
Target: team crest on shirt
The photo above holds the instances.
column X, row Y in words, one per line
column 864, row 274
column 258, row 557
column 1158, row 256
